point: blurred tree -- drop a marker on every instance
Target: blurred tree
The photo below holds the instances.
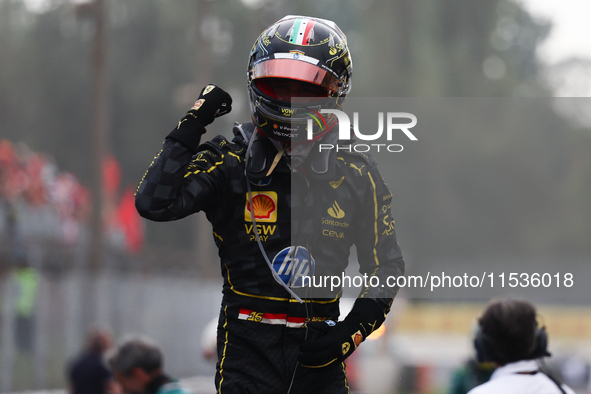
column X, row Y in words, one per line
column 401, row 48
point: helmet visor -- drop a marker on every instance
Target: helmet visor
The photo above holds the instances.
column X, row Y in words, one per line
column 298, row 70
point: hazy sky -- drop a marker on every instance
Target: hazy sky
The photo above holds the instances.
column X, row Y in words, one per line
column 571, row 31
column 570, row 35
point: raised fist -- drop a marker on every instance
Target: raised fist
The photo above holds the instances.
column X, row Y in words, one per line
column 212, row 102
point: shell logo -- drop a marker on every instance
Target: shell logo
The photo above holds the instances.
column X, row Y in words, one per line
column 357, row 338
column 264, row 205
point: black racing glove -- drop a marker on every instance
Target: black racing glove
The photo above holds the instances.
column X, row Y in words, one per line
column 337, row 341
column 212, row 102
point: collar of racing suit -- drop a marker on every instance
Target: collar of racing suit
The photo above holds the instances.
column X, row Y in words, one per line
column 263, row 155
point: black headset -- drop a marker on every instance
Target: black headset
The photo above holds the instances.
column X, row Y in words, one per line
column 492, row 349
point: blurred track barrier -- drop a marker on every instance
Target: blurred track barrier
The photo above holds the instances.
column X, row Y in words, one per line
column 438, row 318
column 562, row 322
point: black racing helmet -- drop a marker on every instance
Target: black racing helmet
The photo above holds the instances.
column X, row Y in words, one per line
column 312, row 51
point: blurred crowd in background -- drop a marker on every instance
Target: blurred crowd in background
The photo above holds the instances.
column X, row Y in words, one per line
column 39, row 202
column 30, row 181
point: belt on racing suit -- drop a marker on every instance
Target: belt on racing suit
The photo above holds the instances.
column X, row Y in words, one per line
column 277, row 318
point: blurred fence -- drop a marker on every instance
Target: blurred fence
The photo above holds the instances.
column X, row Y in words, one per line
column 172, row 310
column 49, row 299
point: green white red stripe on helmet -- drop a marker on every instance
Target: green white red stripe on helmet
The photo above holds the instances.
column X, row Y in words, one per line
column 302, row 31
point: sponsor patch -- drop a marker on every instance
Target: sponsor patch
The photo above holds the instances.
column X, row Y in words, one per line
column 198, row 104
column 357, row 338
column 346, row 348
column 208, row 89
column 264, row 205
column 292, row 264
column 335, row 211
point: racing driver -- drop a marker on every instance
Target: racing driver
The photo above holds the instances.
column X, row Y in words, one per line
column 282, row 210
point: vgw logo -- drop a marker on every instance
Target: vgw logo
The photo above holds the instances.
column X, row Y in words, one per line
column 391, row 126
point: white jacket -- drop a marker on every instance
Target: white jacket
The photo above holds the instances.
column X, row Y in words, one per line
column 510, row 379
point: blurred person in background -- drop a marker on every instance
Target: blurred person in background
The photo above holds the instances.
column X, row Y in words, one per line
column 138, row 366
column 209, row 341
column 88, row 374
column 470, row 375
column 26, row 278
column 510, row 337
column 269, row 339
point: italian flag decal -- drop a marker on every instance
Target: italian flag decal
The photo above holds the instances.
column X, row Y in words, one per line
column 302, row 31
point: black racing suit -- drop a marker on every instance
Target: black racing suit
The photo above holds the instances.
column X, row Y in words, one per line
column 260, row 326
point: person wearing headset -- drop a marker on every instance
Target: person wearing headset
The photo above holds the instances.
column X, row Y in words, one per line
column 510, row 337
column 280, row 208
